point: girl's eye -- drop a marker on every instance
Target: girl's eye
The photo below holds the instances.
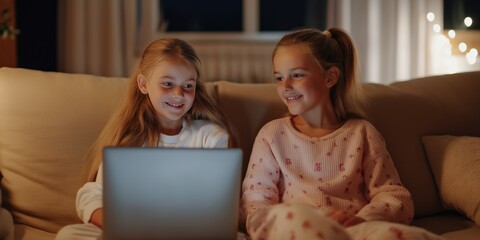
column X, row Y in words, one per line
column 188, row 86
column 297, row 75
column 167, row 84
column 278, row 78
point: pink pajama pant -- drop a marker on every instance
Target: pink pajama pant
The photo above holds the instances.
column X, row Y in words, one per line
column 297, row 221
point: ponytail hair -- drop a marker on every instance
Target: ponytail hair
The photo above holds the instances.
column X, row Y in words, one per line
column 334, row 47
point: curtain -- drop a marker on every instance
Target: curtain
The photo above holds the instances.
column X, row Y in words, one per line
column 104, row 37
column 393, row 37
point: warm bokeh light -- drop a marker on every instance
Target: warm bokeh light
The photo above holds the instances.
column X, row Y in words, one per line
column 468, row 21
column 451, row 34
column 462, row 47
column 447, row 60
column 471, row 58
column 474, row 52
column 430, row 16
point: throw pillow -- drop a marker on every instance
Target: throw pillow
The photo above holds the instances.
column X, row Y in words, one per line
column 455, row 163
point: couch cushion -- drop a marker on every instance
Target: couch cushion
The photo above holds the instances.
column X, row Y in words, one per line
column 47, row 123
column 29, row 233
column 450, row 225
column 455, row 163
column 6, row 226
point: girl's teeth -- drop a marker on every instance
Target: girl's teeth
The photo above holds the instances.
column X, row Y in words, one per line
column 293, row 98
column 174, row 105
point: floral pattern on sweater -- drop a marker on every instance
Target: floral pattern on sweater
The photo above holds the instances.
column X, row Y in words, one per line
column 348, row 170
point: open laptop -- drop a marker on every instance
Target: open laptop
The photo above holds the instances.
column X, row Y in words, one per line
column 171, row 193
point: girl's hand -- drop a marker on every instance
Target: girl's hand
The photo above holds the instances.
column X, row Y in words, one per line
column 97, row 217
column 345, row 219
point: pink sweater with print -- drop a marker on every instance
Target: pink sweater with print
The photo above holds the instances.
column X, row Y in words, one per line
column 349, row 169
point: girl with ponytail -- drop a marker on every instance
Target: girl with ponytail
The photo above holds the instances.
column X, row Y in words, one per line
column 323, row 172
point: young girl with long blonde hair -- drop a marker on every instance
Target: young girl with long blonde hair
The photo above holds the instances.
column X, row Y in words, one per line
column 166, row 105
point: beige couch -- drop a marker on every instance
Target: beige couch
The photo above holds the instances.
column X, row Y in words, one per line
column 48, row 120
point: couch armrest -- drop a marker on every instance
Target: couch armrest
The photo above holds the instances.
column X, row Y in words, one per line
column 6, row 228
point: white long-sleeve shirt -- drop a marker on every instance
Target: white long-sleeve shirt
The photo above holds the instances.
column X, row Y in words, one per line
column 196, row 134
column 348, row 170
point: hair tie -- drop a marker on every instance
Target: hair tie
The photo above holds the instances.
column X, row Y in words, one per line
column 327, row 33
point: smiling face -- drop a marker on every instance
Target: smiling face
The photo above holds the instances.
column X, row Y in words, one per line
column 301, row 81
column 171, row 90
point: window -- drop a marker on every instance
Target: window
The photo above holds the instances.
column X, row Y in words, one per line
column 284, row 15
column 242, row 16
column 202, row 16
column 455, row 12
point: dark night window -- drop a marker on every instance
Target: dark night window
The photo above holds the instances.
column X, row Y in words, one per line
column 455, row 12
column 202, row 16
column 285, row 15
column 232, row 15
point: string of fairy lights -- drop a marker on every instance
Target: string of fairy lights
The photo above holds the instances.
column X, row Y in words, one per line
column 471, row 54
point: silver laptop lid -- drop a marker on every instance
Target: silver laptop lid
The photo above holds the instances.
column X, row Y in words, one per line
column 171, row 193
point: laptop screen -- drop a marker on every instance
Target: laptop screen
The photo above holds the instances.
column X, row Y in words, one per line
column 171, row 193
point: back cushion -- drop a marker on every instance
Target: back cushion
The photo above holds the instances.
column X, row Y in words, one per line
column 399, row 116
column 47, row 123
